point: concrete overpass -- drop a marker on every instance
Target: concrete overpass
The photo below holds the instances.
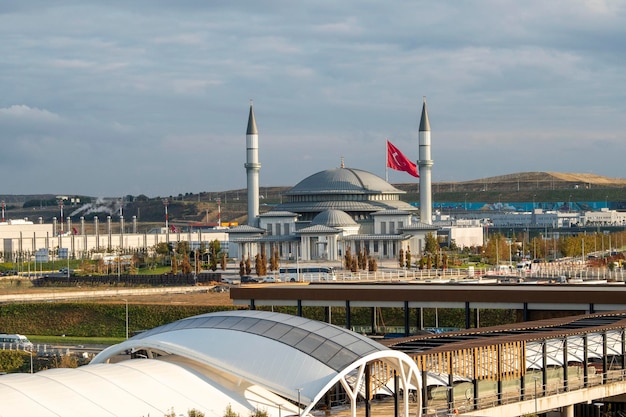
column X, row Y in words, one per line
column 526, row 298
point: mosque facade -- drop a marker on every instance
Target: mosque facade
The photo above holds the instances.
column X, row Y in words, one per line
column 329, row 213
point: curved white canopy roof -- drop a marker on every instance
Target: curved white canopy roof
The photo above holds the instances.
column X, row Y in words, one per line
column 246, row 359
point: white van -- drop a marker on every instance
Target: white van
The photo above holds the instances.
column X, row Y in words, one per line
column 15, row 341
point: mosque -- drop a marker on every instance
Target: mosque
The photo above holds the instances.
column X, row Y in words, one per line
column 335, row 210
column 255, row 360
column 321, row 218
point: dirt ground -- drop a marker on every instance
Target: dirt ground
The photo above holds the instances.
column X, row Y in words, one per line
column 205, row 298
column 197, row 298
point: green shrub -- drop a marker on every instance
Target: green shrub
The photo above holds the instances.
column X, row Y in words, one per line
column 11, row 360
column 229, row 412
column 91, row 319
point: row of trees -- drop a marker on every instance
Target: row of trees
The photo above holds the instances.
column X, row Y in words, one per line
column 361, row 261
column 260, row 263
column 181, row 256
column 515, row 247
column 178, row 255
column 433, row 256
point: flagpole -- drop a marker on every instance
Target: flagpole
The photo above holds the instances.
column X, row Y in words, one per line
column 386, row 156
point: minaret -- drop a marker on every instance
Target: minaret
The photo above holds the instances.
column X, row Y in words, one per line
column 252, row 168
column 425, row 165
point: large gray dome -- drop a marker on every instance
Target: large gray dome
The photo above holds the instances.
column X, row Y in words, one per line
column 343, row 181
column 334, row 218
column 353, row 191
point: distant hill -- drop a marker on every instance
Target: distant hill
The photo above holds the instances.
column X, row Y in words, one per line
column 203, row 207
column 527, row 181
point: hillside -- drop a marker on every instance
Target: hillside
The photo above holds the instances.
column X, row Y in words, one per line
column 527, row 181
column 203, row 207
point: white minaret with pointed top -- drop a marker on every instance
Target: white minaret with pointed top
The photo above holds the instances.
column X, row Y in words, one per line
column 252, row 168
column 425, row 165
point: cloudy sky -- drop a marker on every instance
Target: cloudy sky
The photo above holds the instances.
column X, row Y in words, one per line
column 117, row 97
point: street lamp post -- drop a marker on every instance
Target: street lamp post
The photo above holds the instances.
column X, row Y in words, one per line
column 299, row 405
column 126, row 317
column 450, row 392
column 569, row 206
column 497, row 251
column 582, row 243
column 535, row 378
column 510, row 251
column 599, row 406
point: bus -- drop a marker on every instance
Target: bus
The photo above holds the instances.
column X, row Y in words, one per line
column 15, row 341
column 307, row 274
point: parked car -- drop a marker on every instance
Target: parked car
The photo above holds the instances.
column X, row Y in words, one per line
column 271, row 279
column 248, row 279
column 220, row 288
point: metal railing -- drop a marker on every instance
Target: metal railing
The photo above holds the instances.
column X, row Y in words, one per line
column 556, row 273
column 464, row 401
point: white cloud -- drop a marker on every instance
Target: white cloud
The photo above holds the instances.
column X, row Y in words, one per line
column 18, row 112
column 131, row 84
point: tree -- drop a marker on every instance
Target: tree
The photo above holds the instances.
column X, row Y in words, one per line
column 362, row 259
column 11, row 360
column 197, row 261
column 258, row 265
column 229, row 412
column 186, row 265
column 174, row 265
column 196, row 413
column 134, row 263
column 408, row 258
column 214, row 250
column 202, row 249
column 163, row 250
column 430, row 243
column 248, row 268
column 348, row 259
column 223, row 261
column 372, row 264
column 274, row 259
column 182, row 247
column 536, row 245
column 242, row 268
column 259, row 413
column 497, row 249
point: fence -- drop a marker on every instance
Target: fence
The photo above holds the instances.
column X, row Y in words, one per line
column 127, row 280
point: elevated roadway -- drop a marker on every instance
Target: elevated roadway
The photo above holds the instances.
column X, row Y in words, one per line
column 575, row 298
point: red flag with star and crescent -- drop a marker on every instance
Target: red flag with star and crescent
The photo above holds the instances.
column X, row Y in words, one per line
column 396, row 160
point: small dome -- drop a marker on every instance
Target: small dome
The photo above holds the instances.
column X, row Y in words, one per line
column 333, row 218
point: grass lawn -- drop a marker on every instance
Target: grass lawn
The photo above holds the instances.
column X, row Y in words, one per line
column 60, row 340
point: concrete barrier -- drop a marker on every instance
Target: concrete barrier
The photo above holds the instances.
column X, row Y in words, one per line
column 69, row 295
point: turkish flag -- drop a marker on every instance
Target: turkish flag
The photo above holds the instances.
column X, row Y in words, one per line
column 396, row 160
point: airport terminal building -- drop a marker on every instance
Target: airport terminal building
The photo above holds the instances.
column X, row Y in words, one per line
column 245, row 361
